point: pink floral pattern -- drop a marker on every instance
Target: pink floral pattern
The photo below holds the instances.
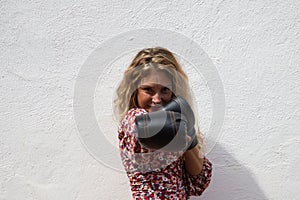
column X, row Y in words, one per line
column 157, row 175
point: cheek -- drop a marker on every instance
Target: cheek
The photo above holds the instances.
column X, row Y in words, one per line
column 168, row 97
column 143, row 99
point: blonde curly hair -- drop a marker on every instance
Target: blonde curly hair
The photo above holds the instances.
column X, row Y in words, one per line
column 158, row 59
column 149, row 59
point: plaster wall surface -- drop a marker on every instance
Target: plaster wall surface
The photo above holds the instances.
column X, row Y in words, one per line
column 254, row 45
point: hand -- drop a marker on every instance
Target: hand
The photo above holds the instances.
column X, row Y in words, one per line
column 165, row 130
column 180, row 105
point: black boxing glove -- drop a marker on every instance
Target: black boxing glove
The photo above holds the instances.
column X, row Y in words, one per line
column 180, row 105
column 165, row 130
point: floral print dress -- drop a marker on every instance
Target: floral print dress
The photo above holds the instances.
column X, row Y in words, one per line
column 154, row 174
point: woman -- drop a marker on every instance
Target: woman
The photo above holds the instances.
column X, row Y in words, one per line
column 152, row 81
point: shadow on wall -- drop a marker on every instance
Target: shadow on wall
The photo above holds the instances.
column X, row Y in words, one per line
column 231, row 180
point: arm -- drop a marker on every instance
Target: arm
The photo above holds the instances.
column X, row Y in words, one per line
column 194, row 161
column 128, row 144
column 194, row 157
column 198, row 170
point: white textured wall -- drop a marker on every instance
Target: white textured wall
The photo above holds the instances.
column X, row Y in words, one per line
column 253, row 44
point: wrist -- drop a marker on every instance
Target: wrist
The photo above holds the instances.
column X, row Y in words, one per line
column 193, row 143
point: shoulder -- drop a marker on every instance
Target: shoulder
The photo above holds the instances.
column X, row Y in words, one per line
column 132, row 113
column 127, row 123
column 136, row 111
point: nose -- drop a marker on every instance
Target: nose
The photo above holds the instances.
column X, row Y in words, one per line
column 156, row 99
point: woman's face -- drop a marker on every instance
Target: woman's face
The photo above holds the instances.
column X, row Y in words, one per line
column 155, row 90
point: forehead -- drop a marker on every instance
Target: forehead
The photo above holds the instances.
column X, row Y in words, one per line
column 157, row 77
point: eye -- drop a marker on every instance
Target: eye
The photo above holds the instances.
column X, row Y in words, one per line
column 147, row 89
column 166, row 90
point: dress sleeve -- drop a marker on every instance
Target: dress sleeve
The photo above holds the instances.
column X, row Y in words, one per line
column 196, row 184
column 135, row 157
column 128, row 144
